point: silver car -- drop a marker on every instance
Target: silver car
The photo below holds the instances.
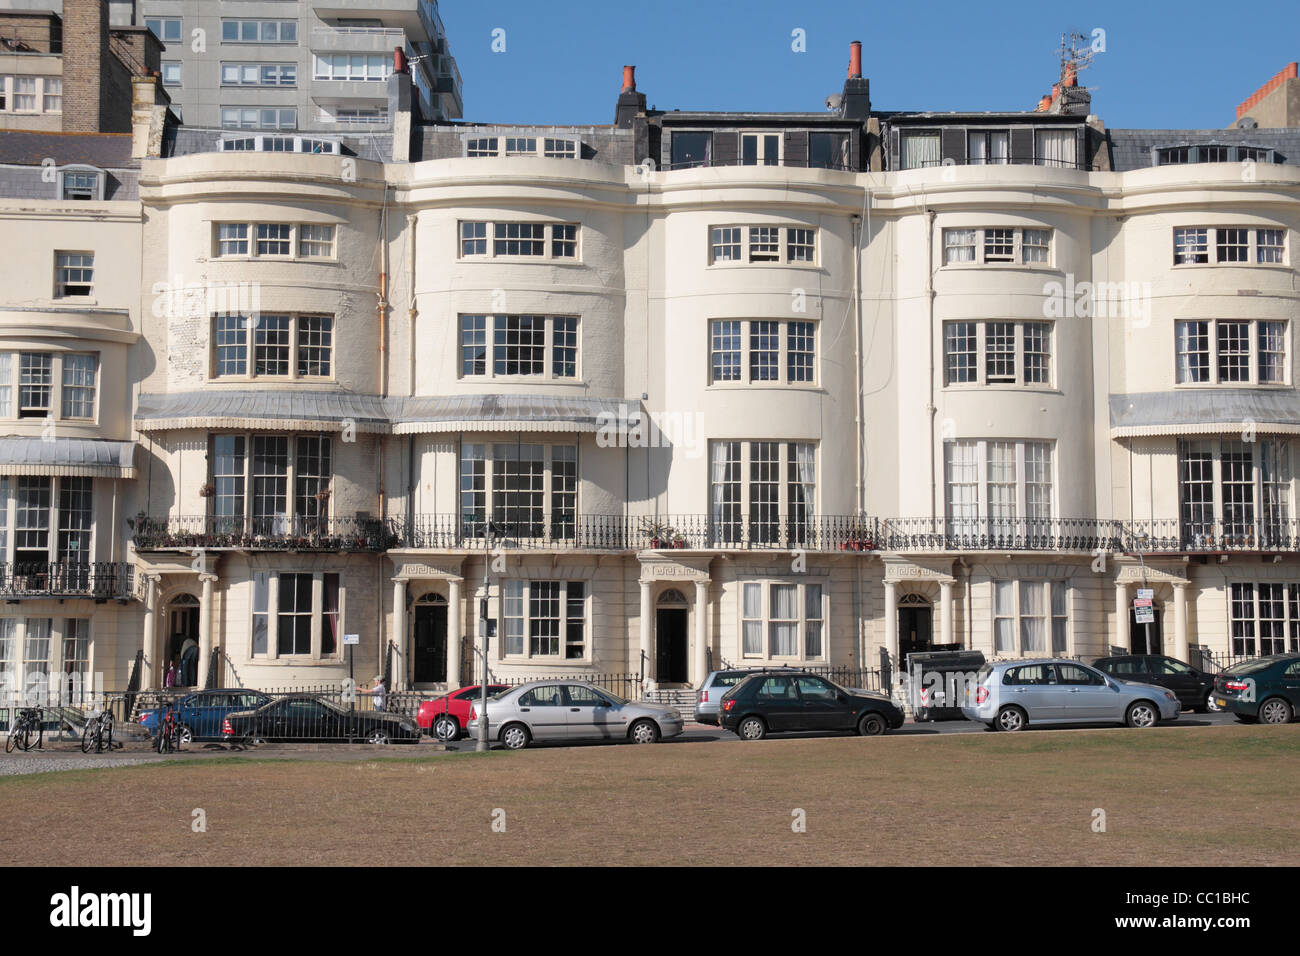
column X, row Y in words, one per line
column 561, row 710
column 1011, row 695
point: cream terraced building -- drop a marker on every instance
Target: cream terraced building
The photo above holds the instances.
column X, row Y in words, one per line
column 740, row 405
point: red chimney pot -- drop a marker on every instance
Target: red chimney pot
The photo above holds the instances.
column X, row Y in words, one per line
column 629, row 79
column 855, row 59
column 399, row 60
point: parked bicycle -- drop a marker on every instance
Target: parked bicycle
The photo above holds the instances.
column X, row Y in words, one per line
column 98, row 734
column 169, row 737
column 27, row 724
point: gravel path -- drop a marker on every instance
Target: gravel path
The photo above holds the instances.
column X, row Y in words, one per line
column 14, row 766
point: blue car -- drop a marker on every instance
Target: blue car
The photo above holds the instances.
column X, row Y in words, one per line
column 202, row 713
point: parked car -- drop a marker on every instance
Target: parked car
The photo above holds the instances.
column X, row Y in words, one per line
column 773, row 703
column 306, row 718
column 1192, row 687
column 447, row 716
column 545, row 711
column 709, row 697
column 1265, row 689
column 1012, row 695
column 202, row 713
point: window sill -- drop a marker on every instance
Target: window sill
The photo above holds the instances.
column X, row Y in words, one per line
column 517, row 260
column 296, row 661
column 728, row 264
column 1198, row 386
column 1267, row 266
column 274, row 379
column 1003, row 387
column 1035, row 267
column 774, row 386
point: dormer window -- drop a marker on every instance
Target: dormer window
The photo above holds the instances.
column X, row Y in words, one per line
column 280, row 144
column 1211, row 153
column 81, row 183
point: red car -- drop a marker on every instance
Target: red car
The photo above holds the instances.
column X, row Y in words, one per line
column 447, row 717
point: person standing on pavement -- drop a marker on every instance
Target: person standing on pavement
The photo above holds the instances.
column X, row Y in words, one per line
column 378, row 692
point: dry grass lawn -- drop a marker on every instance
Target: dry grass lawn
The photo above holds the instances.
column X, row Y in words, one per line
column 1171, row 797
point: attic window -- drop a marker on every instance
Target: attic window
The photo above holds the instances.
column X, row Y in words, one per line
column 81, row 183
column 280, row 144
column 1212, row 153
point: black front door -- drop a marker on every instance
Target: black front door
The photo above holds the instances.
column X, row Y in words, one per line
column 670, row 638
column 430, row 643
column 1138, row 633
column 913, row 630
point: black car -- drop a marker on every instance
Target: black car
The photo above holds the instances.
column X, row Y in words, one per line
column 304, row 718
column 1192, row 687
column 1265, row 689
column 773, row 703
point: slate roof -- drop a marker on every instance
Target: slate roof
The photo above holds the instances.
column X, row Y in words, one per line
column 1131, row 148
column 30, row 148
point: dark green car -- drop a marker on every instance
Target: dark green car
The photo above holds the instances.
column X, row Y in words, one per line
column 1264, row 689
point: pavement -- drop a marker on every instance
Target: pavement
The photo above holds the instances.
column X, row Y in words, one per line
column 65, row 753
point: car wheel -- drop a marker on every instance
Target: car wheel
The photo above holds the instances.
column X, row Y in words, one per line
column 1142, row 714
column 871, row 725
column 445, row 728
column 1275, row 710
column 515, row 736
column 644, row 732
column 752, row 728
column 1011, row 719
column 185, row 736
column 254, row 740
column 378, row 738
column 1211, row 704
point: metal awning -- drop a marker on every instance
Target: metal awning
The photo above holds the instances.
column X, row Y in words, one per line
column 308, row 411
column 1208, row 411
column 330, row 411
column 508, row 413
column 74, row 457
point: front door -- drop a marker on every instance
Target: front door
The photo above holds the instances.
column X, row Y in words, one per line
column 430, row 643
column 671, row 646
column 1144, row 638
column 913, row 629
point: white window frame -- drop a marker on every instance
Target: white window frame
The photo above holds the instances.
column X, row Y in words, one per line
column 164, row 22
column 551, row 487
column 550, row 238
column 286, row 117
column 561, row 657
column 981, row 242
column 272, row 615
column 69, row 171
column 61, row 286
column 745, row 377
column 294, row 240
column 250, row 349
column 1213, row 248
column 766, row 586
column 282, row 27
column 326, row 67
column 549, row 345
column 259, row 72
column 981, row 354
column 1269, row 517
column 784, row 241
column 1253, row 359
column 983, row 507
column 1049, row 616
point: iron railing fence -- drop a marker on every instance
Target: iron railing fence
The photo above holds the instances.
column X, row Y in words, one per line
column 1084, row 535
column 1208, row 535
column 277, row 533
column 786, row 162
column 627, row 686
column 101, row 580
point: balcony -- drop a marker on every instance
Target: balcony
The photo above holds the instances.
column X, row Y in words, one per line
column 100, row 580
column 278, row 533
column 1209, row 536
column 357, row 40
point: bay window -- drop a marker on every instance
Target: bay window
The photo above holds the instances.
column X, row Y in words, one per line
column 531, row 489
column 1242, row 489
column 1231, row 352
column 762, row 492
column 1265, row 618
column 257, row 482
column 997, row 353
column 280, row 346
column 519, row 345
column 999, row 488
column 762, row 351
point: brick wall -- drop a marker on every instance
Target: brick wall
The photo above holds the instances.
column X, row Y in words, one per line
column 38, row 31
column 85, row 38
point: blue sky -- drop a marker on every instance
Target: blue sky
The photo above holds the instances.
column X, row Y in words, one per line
column 1167, row 64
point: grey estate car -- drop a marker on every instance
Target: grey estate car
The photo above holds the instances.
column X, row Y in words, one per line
column 1011, row 695
column 561, row 710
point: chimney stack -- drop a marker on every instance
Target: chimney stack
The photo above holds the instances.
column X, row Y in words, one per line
column 399, row 60
column 85, row 60
column 855, row 103
column 630, row 103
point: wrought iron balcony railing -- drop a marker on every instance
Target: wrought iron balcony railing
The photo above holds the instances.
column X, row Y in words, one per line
column 101, row 580
column 1210, row 536
column 276, row 533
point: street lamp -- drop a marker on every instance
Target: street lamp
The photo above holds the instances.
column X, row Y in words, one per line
column 490, row 528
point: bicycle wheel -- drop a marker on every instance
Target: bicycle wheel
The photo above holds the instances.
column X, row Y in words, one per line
column 25, row 737
column 106, row 737
column 12, row 740
column 89, row 737
column 160, row 742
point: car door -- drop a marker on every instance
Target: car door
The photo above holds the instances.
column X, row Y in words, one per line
column 1291, row 684
column 1186, row 683
column 590, row 715
column 204, row 713
column 1033, row 688
column 822, row 706
column 545, row 710
column 1084, row 694
column 777, row 700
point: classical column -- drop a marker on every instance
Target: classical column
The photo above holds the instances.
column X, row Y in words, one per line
column 645, row 661
column 1180, row 622
column 701, row 668
column 453, row 632
column 1122, row 633
column 891, row 622
column 399, row 633
column 147, row 638
column 945, row 612
column 205, row 628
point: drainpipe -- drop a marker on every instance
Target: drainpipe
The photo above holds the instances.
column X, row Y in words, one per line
column 410, row 305
column 930, row 406
column 857, row 355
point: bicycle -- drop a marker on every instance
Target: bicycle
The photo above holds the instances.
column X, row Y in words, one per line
column 98, row 732
column 20, row 733
column 169, row 730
